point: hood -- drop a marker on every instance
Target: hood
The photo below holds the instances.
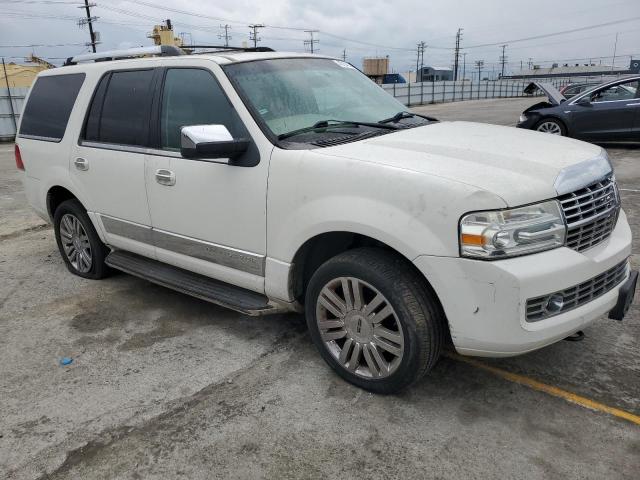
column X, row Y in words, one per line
column 552, row 93
column 520, row 166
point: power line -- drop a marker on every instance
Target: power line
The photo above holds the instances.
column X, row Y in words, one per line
column 563, row 32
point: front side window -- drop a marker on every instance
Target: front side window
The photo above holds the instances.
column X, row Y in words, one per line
column 120, row 111
column 49, row 106
column 193, row 97
column 295, row 93
column 622, row 91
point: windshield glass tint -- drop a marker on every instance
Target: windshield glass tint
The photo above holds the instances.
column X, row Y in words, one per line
column 293, row 93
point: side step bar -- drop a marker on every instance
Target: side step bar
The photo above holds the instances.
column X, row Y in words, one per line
column 204, row 288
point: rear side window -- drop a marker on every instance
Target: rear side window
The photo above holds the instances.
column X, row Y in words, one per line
column 120, row 110
column 50, row 103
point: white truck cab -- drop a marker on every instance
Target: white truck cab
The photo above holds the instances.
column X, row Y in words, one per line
column 271, row 182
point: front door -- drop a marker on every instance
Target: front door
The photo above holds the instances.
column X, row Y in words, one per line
column 610, row 114
column 207, row 216
column 108, row 164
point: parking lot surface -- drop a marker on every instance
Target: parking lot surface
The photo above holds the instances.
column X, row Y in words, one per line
column 166, row 386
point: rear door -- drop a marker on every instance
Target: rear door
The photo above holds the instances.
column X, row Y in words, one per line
column 609, row 116
column 108, row 163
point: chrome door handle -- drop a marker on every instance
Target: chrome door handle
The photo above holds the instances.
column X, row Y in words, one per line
column 165, row 177
column 81, row 164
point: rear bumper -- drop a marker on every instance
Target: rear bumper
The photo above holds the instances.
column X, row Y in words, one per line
column 485, row 302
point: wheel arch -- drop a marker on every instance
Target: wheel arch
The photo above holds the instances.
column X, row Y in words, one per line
column 55, row 196
column 324, row 246
column 553, row 116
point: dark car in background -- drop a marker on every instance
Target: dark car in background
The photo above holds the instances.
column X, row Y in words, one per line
column 607, row 112
column 572, row 89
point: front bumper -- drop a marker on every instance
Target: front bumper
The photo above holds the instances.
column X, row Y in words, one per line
column 485, row 301
column 529, row 122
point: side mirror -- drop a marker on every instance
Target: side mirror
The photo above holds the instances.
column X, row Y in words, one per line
column 584, row 101
column 210, row 141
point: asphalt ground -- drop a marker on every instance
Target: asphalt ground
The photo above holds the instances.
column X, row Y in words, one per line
column 166, row 386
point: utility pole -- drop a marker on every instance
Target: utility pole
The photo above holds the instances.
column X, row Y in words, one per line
column 225, row 35
column 89, row 21
column 503, row 59
column 253, row 35
column 344, row 55
column 464, row 66
column 311, row 42
column 615, row 48
column 420, row 59
column 479, row 65
column 530, row 63
column 457, row 54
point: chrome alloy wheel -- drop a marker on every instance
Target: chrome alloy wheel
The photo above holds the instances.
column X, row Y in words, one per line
column 359, row 327
column 75, row 243
column 550, row 127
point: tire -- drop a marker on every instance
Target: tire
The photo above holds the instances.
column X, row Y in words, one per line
column 410, row 320
column 81, row 236
column 552, row 126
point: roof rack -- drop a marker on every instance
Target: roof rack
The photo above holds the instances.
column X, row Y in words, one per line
column 224, row 47
column 162, row 50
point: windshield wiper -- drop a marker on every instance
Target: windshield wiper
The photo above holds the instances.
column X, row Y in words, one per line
column 404, row 114
column 333, row 123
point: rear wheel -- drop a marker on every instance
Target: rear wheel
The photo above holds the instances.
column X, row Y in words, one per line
column 80, row 247
column 552, row 126
column 373, row 320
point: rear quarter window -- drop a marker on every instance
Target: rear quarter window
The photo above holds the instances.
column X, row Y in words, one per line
column 50, row 103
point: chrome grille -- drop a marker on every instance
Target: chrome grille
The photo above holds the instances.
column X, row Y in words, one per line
column 573, row 297
column 591, row 213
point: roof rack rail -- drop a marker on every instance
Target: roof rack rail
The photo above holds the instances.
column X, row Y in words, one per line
column 162, row 50
column 224, row 47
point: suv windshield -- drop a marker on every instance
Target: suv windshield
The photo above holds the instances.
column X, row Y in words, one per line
column 292, row 94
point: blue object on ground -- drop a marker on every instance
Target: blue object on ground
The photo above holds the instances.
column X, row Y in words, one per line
column 66, row 361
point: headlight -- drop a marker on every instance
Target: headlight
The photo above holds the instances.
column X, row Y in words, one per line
column 508, row 233
column 523, row 118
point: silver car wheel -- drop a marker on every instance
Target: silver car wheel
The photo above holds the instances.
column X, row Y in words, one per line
column 550, row 127
column 75, row 243
column 359, row 327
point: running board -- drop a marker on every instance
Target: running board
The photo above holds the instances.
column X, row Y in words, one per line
column 199, row 286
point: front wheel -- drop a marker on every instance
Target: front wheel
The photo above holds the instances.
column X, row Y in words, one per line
column 552, row 126
column 373, row 320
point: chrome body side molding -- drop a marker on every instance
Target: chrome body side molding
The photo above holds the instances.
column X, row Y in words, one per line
column 222, row 255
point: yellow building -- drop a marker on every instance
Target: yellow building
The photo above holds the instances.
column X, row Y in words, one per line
column 23, row 75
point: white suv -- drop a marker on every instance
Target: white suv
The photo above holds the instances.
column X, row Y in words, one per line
column 270, row 182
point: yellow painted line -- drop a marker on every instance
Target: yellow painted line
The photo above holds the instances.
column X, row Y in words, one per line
column 549, row 389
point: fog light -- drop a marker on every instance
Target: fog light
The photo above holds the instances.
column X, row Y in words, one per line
column 555, row 303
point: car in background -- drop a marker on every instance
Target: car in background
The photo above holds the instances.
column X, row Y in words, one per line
column 608, row 112
column 572, row 89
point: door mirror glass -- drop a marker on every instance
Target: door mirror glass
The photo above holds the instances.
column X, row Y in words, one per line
column 210, row 141
column 584, row 101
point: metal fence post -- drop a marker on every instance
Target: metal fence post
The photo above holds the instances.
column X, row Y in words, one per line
column 13, row 113
column 421, row 93
column 433, row 92
column 444, row 89
column 409, row 94
column 454, row 91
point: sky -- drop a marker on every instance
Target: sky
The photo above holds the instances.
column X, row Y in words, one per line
column 362, row 28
